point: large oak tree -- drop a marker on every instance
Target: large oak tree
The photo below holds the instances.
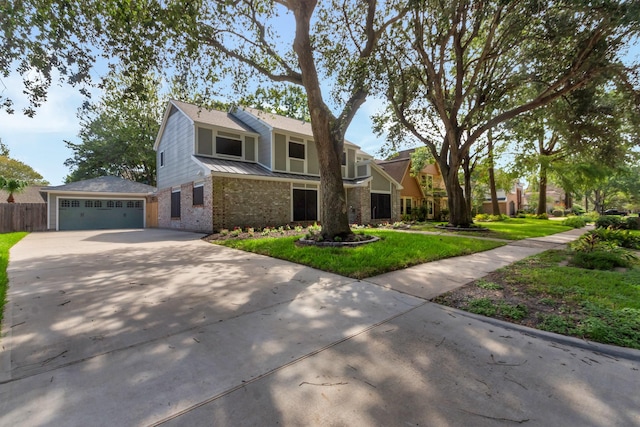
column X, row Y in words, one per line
column 459, row 68
column 327, row 48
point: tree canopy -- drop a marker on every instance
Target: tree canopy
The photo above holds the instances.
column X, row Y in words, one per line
column 326, row 48
column 457, row 69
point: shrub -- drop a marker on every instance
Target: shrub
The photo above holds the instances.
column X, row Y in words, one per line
column 601, row 260
column 633, row 223
column 591, row 216
column 558, row 213
column 575, row 222
column 623, row 238
column 609, row 221
column 542, row 216
column 481, row 217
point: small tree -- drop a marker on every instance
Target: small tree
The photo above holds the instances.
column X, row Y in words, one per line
column 12, row 186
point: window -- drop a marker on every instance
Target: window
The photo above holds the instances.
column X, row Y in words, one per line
column 296, row 150
column 75, row 203
column 305, row 205
column 88, row 203
column 138, row 204
column 65, row 204
column 130, row 204
column 118, row 204
column 198, row 195
column 97, row 204
column 175, row 204
column 405, row 206
column 380, row 206
column 344, row 158
column 228, row 146
column 161, row 158
column 110, row 204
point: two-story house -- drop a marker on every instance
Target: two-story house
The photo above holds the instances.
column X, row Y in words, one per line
column 426, row 189
column 249, row 168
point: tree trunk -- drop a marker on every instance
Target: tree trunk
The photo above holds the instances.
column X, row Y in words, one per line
column 467, row 182
column 542, row 195
column 459, row 214
column 328, row 132
column 495, row 208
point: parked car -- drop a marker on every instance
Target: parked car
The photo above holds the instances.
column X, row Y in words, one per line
column 615, row 212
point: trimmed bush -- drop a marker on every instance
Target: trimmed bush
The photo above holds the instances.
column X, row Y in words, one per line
column 600, row 260
column 609, row 221
column 633, row 223
column 558, row 213
column 575, row 222
column 542, row 216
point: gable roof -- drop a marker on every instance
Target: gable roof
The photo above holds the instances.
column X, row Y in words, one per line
column 275, row 121
column 396, row 168
column 103, row 184
column 202, row 115
column 30, row 194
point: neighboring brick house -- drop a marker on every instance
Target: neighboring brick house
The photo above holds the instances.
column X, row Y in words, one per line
column 509, row 202
column 427, row 189
column 248, row 168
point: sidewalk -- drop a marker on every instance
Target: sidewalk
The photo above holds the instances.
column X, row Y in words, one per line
column 429, row 280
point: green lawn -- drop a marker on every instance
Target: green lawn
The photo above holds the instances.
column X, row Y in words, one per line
column 6, row 241
column 510, row 229
column 544, row 293
column 394, row 251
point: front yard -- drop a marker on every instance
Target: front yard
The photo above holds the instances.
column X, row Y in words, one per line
column 394, row 251
column 546, row 293
column 509, row 229
column 6, row 241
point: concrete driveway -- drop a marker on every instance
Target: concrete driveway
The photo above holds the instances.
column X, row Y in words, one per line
column 158, row 327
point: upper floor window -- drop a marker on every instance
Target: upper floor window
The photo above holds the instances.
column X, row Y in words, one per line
column 228, row 146
column 210, row 142
column 296, row 150
column 161, row 158
column 344, row 158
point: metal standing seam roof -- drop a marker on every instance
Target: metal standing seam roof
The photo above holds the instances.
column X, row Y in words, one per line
column 236, row 167
column 103, row 184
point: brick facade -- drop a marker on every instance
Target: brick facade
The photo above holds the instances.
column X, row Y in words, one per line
column 250, row 203
column 192, row 218
column 232, row 202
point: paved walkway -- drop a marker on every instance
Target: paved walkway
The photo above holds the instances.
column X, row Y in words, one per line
column 158, row 327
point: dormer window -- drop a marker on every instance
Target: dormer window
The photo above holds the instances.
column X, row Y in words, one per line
column 228, row 146
column 224, row 144
column 296, row 151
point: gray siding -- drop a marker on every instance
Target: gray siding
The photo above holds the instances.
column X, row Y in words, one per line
column 264, row 142
column 380, row 183
column 177, row 143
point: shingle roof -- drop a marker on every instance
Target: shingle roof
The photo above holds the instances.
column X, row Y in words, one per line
column 288, row 124
column 396, row 168
column 254, row 169
column 104, row 184
column 280, row 122
column 28, row 195
column 212, row 117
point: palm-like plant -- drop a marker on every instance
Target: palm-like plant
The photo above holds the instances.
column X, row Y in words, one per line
column 12, row 186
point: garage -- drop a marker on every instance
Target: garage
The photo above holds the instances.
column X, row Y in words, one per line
column 98, row 203
column 89, row 214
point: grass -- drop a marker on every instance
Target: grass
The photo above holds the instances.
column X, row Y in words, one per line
column 394, row 251
column 510, row 229
column 6, row 241
column 541, row 292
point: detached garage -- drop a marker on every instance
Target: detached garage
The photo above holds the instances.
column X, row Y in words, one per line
column 107, row 202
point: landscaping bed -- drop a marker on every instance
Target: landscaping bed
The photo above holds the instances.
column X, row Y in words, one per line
column 547, row 293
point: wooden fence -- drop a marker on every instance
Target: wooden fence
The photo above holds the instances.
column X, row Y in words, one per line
column 23, row 217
